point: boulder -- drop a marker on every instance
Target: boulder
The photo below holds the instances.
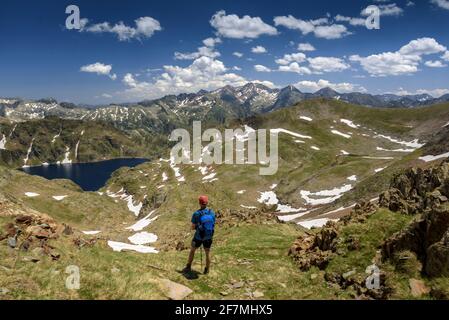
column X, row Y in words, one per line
column 418, row 288
column 173, row 290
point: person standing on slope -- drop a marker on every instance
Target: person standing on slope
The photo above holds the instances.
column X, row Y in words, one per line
column 203, row 221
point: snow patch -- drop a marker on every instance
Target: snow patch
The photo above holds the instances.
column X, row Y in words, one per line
column 379, row 170
column 315, row 148
column 431, row 158
column 143, row 238
column 120, row 246
column 411, row 144
column 59, row 198
column 352, row 178
column 241, row 191
column 316, row 223
column 395, row 150
column 143, row 223
column 325, row 196
column 91, row 233
column 32, row 194
column 338, row 133
column 349, row 123
column 306, row 118
column 294, row 134
column 3, row 143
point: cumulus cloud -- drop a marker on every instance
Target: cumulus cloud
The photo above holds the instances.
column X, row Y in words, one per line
column 444, row 4
column 321, row 28
column 204, row 73
column 327, row 64
column 238, row 54
column 352, row 21
column 258, row 49
column 232, row 26
column 305, row 47
column 390, row 9
column 261, row 68
column 211, row 42
column 422, row 46
column 317, row 65
column 404, row 61
column 296, row 68
column 100, row 69
column 144, row 27
column 201, row 52
column 445, row 56
column 436, row 93
column 289, row 58
column 435, row 64
column 313, row 86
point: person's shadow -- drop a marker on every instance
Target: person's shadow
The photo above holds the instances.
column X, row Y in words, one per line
column 191, row 275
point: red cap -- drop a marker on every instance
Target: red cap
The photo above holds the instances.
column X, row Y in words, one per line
column 204, row 200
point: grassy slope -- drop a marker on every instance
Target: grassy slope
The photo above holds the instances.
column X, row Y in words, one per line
column 266, row 245
column 97, row 141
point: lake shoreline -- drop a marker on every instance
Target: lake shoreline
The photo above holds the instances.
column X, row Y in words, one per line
column 89, row 176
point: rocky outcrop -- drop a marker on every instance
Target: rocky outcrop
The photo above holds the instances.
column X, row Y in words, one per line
column 417, row 190
column 232, row 217
column 426, row 192
column 315, row 250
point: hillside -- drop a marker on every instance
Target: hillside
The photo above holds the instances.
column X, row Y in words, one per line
column 332, row 156
column 55, row 140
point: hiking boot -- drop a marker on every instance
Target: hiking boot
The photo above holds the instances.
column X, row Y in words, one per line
column 187, row 269
column 206, row 270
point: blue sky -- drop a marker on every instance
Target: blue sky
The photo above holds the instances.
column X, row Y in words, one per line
column 135, row 50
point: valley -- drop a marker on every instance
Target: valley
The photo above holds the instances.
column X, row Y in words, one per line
column 132, row 234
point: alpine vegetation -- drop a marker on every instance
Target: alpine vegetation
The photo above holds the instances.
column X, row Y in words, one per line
column 190, row 150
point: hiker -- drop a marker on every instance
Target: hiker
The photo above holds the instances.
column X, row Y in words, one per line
column 203, row 221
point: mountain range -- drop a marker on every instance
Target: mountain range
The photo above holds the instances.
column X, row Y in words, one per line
column 162, row 115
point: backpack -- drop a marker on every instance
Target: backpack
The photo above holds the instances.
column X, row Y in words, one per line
column 206, row 225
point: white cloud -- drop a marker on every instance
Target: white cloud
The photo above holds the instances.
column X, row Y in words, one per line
column 266, row 83
column 211, row 42
column 321, row 28
column 236, row 68
column 204, row 73
column 202, row 52
column 258, row 49
column 232, row 26
column 327, row 64
column 305, row 47
column 289, row 58
column 335, row 31
column 261, row 68
column 444, row 4
column 435, row 64
column 296, row 68
column 391, row 9
column 100, row 69
column 312, row 86
column 404, row 61
column 106, row 96
column 436, row 93
column 317, row 65
column 238, row 54
column 352, row 21
column 445, row 56
column 145, row 28
column 422, row 46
